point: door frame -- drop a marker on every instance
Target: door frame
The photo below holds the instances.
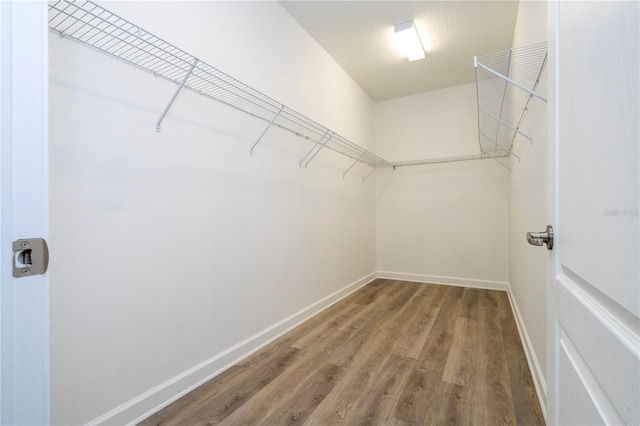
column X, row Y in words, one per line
column 24, row 177
column 552, row 212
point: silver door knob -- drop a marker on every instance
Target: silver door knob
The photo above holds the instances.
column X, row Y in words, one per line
column 537, row 238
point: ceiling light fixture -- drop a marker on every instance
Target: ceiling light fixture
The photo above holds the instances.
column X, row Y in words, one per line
column 408, row 42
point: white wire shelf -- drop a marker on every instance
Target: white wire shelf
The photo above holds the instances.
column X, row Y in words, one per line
column 94, row 26
column 506, row 83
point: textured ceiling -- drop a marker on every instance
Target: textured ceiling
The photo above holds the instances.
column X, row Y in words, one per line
column 358, row 35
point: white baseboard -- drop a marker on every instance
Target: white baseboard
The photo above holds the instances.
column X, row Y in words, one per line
column 164, row 394
column 435, row 279
column 534, row 366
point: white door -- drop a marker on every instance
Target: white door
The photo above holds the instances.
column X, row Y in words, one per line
column 24, row 301
column 594, row 287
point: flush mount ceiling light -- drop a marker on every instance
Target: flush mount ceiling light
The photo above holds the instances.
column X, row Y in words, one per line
column 408, row 42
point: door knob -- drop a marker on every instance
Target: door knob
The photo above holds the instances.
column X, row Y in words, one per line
column 537, row 238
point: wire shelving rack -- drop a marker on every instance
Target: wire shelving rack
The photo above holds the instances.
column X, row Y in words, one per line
column 506, row 82
column 90, row 24
column 94, row 26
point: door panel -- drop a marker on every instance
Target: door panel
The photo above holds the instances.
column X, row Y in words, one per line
column 594, row 287
column 575, row 390
column 604, row 347
column 599, row 146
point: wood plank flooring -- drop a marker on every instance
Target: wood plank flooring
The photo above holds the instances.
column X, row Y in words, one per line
column 392, row 353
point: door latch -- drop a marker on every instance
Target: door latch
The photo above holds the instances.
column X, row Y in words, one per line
column 30, row 257
column 538, row 238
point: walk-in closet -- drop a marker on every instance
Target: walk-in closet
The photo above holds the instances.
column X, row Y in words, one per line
column 274, row 212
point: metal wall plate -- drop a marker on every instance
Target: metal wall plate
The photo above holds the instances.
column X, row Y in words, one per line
column 30, row 257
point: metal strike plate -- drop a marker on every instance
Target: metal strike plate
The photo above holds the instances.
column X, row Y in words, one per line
column 30, row 257
column 539, row 238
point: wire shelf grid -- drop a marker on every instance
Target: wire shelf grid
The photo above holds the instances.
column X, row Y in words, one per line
column 506, row 82
column 94, row 26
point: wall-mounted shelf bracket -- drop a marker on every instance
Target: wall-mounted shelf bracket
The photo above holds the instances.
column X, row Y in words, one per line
column 351, row 166
column 265, row 130
column 315, row 145
column 501, row 121
column 175, row 95
column 319, row 149
column 370, row 173
column 502, row 164
column 507, row 150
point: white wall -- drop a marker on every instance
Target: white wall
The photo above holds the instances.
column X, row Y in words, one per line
column 444, row 223
column 528, row 206
column 170, row 249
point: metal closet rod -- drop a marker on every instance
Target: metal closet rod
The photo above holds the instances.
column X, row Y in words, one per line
column 93, row 26
column 484, row 156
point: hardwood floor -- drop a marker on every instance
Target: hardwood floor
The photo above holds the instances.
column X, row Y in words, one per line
column 392, row 353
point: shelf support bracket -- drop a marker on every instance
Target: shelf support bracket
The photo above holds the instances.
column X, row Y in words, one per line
column 502, row 164
column 505, row 124
column 265, row 130
column 313, row 147
column 318, row 150
column 504, row 77
column 175, row 95
column 351, row 166
column 505, row 148
column 370, row 173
